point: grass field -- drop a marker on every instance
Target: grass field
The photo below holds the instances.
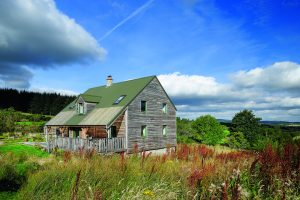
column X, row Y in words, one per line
column 16, row 162
column 20, row 149
column 30, row 123
column 190, row 172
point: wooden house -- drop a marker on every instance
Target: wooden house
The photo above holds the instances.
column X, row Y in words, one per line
column 135, row 114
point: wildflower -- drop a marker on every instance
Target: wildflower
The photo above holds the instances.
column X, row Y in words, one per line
column 170, row 162
column 149, row 193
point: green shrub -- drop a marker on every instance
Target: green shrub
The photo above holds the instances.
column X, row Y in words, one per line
column 237, row 140
column 14, row 171
column 208, row 130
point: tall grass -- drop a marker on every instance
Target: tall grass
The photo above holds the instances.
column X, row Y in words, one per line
column 190, row 172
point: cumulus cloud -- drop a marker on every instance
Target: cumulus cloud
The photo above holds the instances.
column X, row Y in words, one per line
column 200, row 89
column 269, row 91
column 280, row 75
column 35, row 33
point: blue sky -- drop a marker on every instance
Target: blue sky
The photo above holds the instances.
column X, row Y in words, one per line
column 213, row 57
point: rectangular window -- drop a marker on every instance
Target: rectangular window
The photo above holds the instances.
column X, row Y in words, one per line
column 164, row 130
column 164, row 108
column 80, row 105
column 144, row 131
column 113, row 131
column 119, row 99
column 143, row 106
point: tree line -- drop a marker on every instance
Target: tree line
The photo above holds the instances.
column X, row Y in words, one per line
column 34, row 102
column 244, row 132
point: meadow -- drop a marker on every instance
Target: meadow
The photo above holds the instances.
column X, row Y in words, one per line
column 191, row 172
column 243, row 161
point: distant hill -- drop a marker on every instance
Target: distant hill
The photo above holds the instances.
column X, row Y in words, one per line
column 285, row 123
column 34, row 102
column 280, row 123
column 224, row 120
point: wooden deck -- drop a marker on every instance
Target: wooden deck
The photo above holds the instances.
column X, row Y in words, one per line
column 101, row 145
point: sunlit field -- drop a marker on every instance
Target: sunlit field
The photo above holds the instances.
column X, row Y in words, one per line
column 190, row 172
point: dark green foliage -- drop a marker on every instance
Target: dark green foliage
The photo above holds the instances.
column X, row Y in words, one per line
column 34, row 102
column 237, row 140
column 14, row 171
column 8, row 117
column 184, row 130
column 246, row 122
column 208, row 130
column 14, row 121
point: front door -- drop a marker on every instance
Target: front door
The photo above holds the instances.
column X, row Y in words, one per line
column 113, row 131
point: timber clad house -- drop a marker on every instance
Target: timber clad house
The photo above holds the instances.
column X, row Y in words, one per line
column 116, row 117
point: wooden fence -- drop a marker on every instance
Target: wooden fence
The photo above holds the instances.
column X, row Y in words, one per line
column 101, row 145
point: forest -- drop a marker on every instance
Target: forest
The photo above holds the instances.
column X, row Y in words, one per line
column 34, row 102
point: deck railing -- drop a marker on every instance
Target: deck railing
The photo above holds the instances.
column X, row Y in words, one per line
column 101, row 145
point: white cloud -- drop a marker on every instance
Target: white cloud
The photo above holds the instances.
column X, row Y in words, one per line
column 178, row 84
column 271, row 92
column 280, row 75
column 52, row 90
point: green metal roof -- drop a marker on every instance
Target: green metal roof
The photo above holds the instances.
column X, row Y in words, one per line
column 90, row 98
column 103, row 97
column 110, row 94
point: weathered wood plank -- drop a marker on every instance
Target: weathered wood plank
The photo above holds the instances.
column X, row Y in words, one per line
column 153, row 118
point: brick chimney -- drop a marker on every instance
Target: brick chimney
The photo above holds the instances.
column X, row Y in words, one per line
column 109, row 81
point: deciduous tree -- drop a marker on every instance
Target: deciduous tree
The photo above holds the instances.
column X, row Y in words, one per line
column 208, row 130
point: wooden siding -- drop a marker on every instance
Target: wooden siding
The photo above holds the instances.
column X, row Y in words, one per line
column 97, row 132
column 89, row 107
column 120, row 125
column 153, row 118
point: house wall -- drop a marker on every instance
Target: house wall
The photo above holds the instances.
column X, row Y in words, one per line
column 88, row 107
column 153, row 118
column 97, row 132
column 120, row 125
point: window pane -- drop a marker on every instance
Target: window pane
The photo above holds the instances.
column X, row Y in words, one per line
column 143, row 106
column 113, row 131
column 164, row 130
column 164, row 108
column 144, row 132
column 80, row 108
column 119, row 99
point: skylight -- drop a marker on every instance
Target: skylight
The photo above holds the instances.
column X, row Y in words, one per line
column 119, row 99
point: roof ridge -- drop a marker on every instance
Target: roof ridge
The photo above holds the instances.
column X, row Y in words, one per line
column 124, row 81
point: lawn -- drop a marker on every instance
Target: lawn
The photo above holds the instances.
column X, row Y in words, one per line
column 29, row 123
column 19, row 149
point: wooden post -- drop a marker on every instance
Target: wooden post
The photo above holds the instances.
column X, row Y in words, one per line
column 126, row 129
column 47, row 139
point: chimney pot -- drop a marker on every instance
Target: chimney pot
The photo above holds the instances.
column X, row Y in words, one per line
column 109, row 81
